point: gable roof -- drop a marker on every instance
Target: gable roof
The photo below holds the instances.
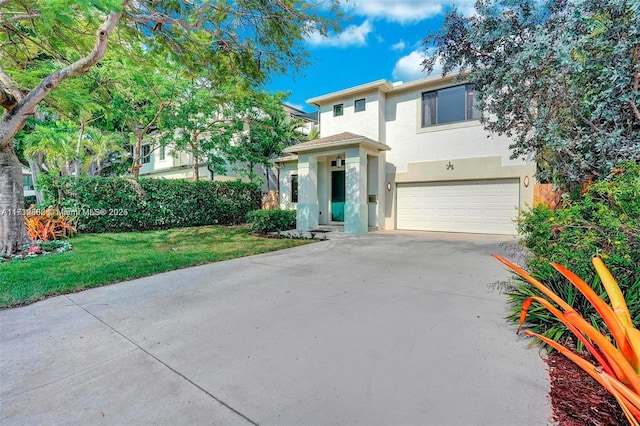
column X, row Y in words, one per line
column 335, row 141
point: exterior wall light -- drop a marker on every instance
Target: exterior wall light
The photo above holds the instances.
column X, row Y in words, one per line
column 526, row 181
column 388, row 186
column 338, row 162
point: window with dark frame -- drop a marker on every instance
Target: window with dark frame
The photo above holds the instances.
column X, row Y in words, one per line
column 146, row 154
column 360, row 105
column 294, row 188
column 338, row 110
column 450, row 105
column 27, row 182
column 163, row 152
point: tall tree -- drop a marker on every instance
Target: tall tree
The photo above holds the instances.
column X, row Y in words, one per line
column 560, row 77
column 54, row 142
column 270, row 131
column 52, row 39
column 202, row 122
column 100, row 146
column 136, row 93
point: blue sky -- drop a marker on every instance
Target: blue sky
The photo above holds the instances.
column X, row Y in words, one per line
column 379, row 39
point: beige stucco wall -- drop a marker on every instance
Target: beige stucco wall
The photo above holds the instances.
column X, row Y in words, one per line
column 286, row 170
column 464, row 169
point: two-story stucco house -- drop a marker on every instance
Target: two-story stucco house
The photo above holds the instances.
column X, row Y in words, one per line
column 410, row 156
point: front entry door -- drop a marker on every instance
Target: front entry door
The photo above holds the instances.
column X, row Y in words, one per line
column 337, row 196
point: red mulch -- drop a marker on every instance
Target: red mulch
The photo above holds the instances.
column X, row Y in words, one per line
column 577, row 399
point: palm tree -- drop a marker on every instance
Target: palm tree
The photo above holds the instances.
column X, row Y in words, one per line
column 56, row 145
column 314, row 133
column 99, row 146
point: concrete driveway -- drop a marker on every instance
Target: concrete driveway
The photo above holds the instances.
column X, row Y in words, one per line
column 381, row 329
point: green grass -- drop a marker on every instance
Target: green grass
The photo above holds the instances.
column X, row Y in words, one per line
column 100, row 259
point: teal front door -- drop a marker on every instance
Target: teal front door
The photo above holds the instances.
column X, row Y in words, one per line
column 337, row 196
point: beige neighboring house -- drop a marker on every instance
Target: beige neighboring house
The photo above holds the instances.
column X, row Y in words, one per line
column 161, row 162
column 407, row 156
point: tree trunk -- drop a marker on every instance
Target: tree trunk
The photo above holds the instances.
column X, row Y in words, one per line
column 35, row 164
column 195, row 159
column 137, row 156
column 12, row 231
column 196, row 168
column 266, row 173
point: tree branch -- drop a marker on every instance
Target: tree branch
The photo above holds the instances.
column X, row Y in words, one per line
column 9, row 93
column 16, row 117
column 19, row 18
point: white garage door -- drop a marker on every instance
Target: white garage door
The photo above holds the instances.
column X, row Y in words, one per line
column 478, row 206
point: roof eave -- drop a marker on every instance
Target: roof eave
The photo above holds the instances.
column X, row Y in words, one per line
column 339, row 144
column 382, row 85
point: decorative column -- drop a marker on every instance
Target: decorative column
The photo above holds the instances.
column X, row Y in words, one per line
column 355, row 208
column 307, row 212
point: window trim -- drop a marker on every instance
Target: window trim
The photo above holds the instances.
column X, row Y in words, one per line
column 364, row 105
column 338, row 110
column 145, row 158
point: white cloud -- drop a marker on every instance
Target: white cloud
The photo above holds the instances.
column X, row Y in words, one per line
column 409, row 67
column 399, row 45
column 405, row 11
column 353, row 35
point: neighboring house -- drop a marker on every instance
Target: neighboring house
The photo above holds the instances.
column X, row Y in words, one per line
column 27, row 183
column 410, row 156
column 161, row 162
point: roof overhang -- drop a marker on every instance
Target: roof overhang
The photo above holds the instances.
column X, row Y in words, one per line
column 380, row 85
column 342, row 140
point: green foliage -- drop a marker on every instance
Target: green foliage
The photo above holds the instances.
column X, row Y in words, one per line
column 560, row 77
column 123, row 205
column 265, row 221
column 202, row 122
column 270, row 132
column 605, row 222
column 29, row 200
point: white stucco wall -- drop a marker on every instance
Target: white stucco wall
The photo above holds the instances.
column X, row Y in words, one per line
column 365, row 123
column 412, row 143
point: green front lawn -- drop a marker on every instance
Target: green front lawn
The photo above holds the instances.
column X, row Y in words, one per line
column 99, row 259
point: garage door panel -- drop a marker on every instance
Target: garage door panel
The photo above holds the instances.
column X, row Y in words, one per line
column 483, row 206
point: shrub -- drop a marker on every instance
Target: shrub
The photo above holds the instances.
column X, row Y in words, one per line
column 603, row 221
column 618, row 356
column 48, row 224
column 120, row 205
column 265, row 221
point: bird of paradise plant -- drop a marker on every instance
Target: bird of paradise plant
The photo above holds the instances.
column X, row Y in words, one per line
column 619, row 361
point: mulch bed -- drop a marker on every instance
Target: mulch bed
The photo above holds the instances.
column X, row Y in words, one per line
column 577, row 399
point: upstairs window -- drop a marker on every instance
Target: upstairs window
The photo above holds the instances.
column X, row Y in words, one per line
column 338, row 110
column 450, row 105
column 360, row 105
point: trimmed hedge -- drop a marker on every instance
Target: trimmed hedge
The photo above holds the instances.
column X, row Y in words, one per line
column 122, row 205
column 265, row 221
